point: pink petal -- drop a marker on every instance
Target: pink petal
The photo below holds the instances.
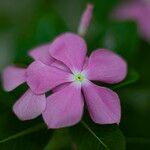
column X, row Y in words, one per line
column 42, row 54
column 70, row 49
column 86, row 61
column 64, row 108
column 130, row 10
column 144, row 30
column 138, row 11
column 106, row 66
column 144, row 23
column 60, row 87
column 103, row 104
column 42, row 78
column 13, row 77
column 29, row 106
column 58, row 64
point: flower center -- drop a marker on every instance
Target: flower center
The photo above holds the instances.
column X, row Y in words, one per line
column 79, row 77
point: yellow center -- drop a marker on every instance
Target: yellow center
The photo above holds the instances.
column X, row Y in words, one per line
column 79, row 77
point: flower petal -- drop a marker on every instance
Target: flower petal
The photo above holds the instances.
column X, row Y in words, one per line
column 42, row 54
column 13, row 77
column 127, row 10
column 103, row 104
column 29, row 106
column 64, row 108
column 60, row 87
column 86, row 61
column 42, row 78
column 106, row 66
column 70, row 49
column 58, row 64
column 144, row 25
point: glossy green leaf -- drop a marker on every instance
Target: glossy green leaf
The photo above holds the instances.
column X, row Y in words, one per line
column 88, row 135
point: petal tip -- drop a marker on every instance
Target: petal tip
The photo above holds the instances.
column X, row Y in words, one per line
column 12, row 77
column 29, row 106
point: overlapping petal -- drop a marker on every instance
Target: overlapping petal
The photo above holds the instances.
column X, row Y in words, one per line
column 106, row 66
column 103, row 104
column 60, row 65
column 60, row 87
column 42, row 54
column 86, row 61
column 64, row 108
column 70, row 49
column 29, row 106
column 13, row 77
column 42, row 78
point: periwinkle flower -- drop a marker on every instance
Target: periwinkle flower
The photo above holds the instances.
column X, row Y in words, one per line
column 63, row 67
column 137, row 11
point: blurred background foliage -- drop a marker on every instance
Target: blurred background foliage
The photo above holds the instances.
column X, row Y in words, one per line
column 27, row 23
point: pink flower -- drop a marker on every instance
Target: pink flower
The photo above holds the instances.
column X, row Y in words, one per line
column 64, row 68
column 138, row 11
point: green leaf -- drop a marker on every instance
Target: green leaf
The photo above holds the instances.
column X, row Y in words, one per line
column 88, row 135
column 15, row 134
column 60, row 141
column 131, row 78
column 94, row 134
column 24, row 132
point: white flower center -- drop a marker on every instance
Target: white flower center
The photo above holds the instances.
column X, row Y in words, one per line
column 78, row 78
